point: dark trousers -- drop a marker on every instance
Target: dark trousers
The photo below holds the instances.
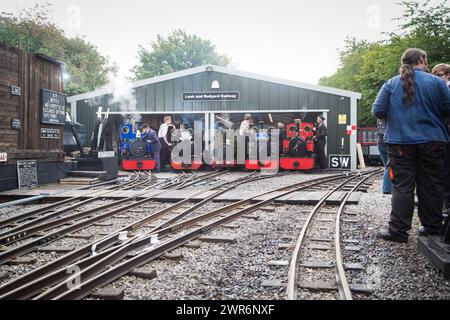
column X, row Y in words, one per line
column 165, row 154
column 447, row 179
column 421, row 166
column 157, row 158
column 321, row 158
column 387, row 183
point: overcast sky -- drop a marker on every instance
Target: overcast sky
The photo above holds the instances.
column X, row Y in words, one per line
column 291, row 39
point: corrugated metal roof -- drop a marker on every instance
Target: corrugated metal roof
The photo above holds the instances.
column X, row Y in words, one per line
column 229, row 71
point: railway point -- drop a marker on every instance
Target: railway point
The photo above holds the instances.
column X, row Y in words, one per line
column 174, row 174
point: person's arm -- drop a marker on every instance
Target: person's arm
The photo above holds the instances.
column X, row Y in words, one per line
column 381, row 104
column 444, row 92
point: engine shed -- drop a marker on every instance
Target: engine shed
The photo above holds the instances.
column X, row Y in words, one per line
column 213, row 94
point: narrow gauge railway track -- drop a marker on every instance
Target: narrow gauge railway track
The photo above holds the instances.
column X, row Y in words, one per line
column 143, row 181
column 22, row 287
column 33, row 214
column 79, row 221
column 312, row 233
column 45, row 222
column 99, row 273
column 114, row 237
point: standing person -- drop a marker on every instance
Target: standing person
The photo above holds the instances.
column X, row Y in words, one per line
column 165, row 143
column 321, row 141
column 245, row 125
column 282, row 136
column 443, row 71
column 149, row 135
column 382, row 147
column 413, row 103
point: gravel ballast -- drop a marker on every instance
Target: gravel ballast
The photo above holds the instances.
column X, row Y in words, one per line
column 238, row 270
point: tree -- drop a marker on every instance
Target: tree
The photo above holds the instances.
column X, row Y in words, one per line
column 33, row 30
column 179, row 51
column 364, row 66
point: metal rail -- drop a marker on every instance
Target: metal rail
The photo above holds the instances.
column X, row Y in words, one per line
column 95, row 275
column 25, row 233
column 28, row 285
column 20, row 287
column 292, row 274
column 36, row 212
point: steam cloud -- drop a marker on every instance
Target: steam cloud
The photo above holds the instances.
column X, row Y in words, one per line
column 124, row 96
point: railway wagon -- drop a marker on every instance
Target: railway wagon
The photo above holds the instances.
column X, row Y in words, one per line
column 368, row 138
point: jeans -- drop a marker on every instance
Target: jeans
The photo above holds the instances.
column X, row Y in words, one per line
column 387, row 183
column 156, row 157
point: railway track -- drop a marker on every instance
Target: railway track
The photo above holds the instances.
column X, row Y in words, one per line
column 313, row 251
column 78, row 201
column 42, row 219
column 76, row 221
column 114, row 250
column 171, row 237
column 113, row 239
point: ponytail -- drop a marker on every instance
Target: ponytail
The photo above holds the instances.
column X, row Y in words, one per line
column 408, row 75
column 410, row 59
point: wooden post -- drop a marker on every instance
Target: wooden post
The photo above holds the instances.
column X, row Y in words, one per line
column 362, row 163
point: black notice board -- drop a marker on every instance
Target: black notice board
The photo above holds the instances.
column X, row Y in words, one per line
column 47, row 133
column 27, row 173
column 53, row 107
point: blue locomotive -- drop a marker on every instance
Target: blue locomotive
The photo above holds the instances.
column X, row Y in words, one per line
column 135, row 154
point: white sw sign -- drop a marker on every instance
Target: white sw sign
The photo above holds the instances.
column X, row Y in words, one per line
column 3, row 157
column 338, row 161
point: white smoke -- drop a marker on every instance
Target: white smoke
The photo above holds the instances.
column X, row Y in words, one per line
column 124, row 95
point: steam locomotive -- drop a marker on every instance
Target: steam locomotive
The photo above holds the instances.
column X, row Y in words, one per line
column 298, row 147
column 262, row 145
column 135, row 154
column 296, row 151
column 185, row 136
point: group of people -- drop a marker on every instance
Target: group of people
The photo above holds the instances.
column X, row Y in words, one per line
column 161, row 142
column 413, row 112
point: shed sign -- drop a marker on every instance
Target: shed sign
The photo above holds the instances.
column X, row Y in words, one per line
column 47, row 133
column 16, row 91
column 16, row 124
column 27, row 173
column 212, row 96
column 338, row 161
column 53, row 107
column 3, row 157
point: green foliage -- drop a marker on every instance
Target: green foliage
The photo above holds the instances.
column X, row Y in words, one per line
column 32, row 30
column 179, row 51
column 364, row 67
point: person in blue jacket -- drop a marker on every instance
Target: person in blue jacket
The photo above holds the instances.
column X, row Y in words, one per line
column 414, row 104
column 150, row 136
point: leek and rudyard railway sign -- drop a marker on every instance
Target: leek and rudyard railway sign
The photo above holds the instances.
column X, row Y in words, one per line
column 53, row 107
column 211, row 96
